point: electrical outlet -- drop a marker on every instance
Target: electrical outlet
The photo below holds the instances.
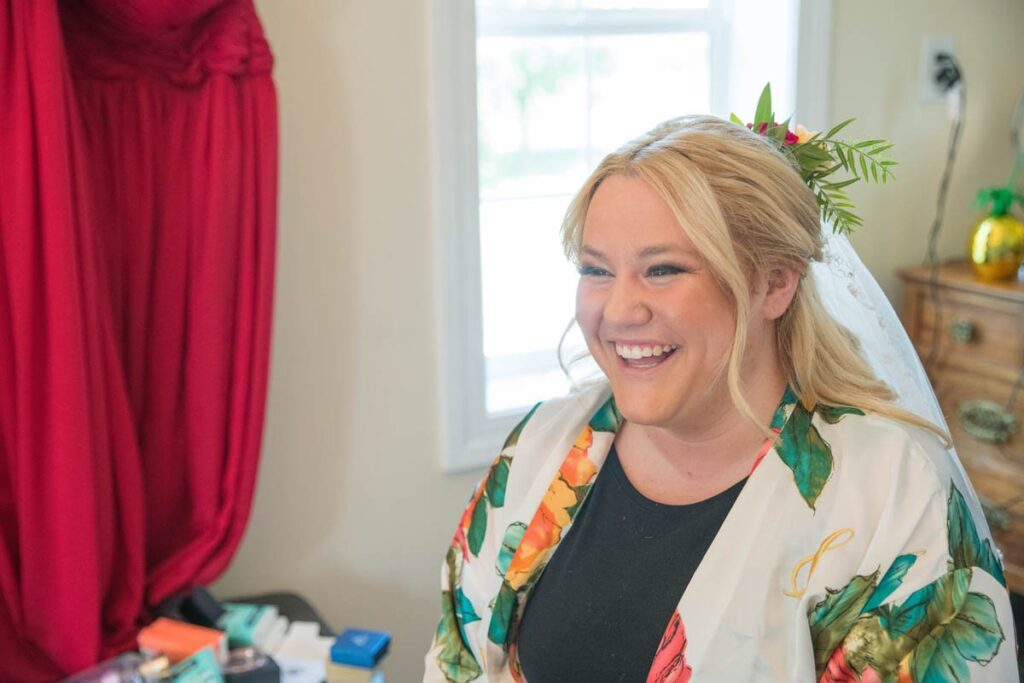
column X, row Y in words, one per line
column 930, row 90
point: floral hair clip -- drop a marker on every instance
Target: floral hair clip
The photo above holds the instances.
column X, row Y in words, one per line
column 819, row 156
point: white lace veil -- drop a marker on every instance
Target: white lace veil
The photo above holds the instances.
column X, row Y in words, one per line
column 852, row 296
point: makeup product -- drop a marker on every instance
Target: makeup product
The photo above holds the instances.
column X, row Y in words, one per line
column 247, row 624
column 250, row 665
column 201, row 667
column 179, row 640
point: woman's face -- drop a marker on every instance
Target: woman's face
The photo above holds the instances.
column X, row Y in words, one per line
column 654, row 318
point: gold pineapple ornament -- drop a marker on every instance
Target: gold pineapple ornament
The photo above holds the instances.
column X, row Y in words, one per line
column 996, row 244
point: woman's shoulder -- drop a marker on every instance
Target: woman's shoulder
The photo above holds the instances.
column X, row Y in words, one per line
column 870, row 446
column 540, row 442
column 901, row 484
column 563, row 416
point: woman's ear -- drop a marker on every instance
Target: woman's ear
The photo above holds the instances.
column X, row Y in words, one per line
column 782, row 284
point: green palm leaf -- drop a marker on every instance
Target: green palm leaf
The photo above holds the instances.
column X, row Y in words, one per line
column 891, row 581
column 497, row 480
column 822, row 155
column 454, row 658
column 838, row 127
column 965, row 544
column 806, row 453
column 513, row 437
column 501, row 615
column 477, row 526
column 973, row 635
column 832, row 414
column 607, row 418
column 763, row 112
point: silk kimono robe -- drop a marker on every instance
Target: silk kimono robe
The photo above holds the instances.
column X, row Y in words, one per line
column 856, row 551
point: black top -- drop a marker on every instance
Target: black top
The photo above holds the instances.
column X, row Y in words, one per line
column 602, row 604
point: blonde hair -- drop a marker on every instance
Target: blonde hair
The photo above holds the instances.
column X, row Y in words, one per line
column 748, row 211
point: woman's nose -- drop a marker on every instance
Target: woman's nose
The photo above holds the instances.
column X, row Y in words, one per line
column 627, row 304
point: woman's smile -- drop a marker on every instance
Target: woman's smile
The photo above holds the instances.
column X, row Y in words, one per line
column 643, row 356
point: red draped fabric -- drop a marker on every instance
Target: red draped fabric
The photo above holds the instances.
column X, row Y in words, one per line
column 138, row 182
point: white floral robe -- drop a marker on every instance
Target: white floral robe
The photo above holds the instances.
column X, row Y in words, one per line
column 856, row 551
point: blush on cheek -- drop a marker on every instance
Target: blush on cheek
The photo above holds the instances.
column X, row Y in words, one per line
column 588, row 317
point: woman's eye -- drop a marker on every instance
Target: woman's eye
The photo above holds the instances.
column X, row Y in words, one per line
column 663, row 270
column 592, row 271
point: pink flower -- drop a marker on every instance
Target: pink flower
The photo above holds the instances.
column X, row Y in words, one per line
column 765, row 447
column 838, row 671
column 670, row 660
column 762, row 128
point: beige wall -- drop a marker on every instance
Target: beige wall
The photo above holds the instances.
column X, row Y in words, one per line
column 351, row 508
column 876, row 49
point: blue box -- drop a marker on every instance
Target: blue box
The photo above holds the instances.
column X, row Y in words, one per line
column 201, row 667
column 356, row 647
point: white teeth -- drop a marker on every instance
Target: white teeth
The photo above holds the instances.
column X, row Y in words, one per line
column 637, row 352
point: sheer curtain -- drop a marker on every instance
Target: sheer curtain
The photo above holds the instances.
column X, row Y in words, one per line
column 138, row 184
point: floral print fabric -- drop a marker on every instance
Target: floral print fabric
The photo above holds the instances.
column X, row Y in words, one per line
column 855, row 552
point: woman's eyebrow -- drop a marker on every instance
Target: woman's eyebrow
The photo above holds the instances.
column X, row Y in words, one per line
column 658, row 250
column 646, row 252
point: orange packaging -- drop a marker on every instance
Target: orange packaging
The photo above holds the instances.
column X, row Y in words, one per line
column 179, row 640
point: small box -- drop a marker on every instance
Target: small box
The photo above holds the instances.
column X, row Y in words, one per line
column 359, row 648
column 201, row 667
column 247, row 624
column 342, row 673
column 179, row 640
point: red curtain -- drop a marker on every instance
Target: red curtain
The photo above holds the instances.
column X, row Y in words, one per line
column 138, row 182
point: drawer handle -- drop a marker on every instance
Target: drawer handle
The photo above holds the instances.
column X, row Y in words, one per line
column 961, row 330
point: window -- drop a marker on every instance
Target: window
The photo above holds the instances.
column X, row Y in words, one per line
column 529, row 96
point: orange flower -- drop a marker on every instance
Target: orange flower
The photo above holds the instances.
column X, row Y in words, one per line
column 540, row 536
column 904, row 671
column 557, row 501
column 545, row 529
column 803, row 135
column 578, row 469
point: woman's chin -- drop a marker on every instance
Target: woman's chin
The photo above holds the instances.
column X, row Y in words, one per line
column 642, row 412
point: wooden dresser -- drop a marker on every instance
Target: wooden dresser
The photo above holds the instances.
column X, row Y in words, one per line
column 974, row 349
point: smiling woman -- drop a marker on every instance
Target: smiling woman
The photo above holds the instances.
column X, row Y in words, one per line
column 742, row 499
column 644, row 288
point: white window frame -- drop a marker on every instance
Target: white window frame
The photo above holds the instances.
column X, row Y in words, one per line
column 470, row 437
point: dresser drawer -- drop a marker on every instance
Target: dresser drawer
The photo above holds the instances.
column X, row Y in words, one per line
column 1004, row 460
column 975, row 333
column 996, row 470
